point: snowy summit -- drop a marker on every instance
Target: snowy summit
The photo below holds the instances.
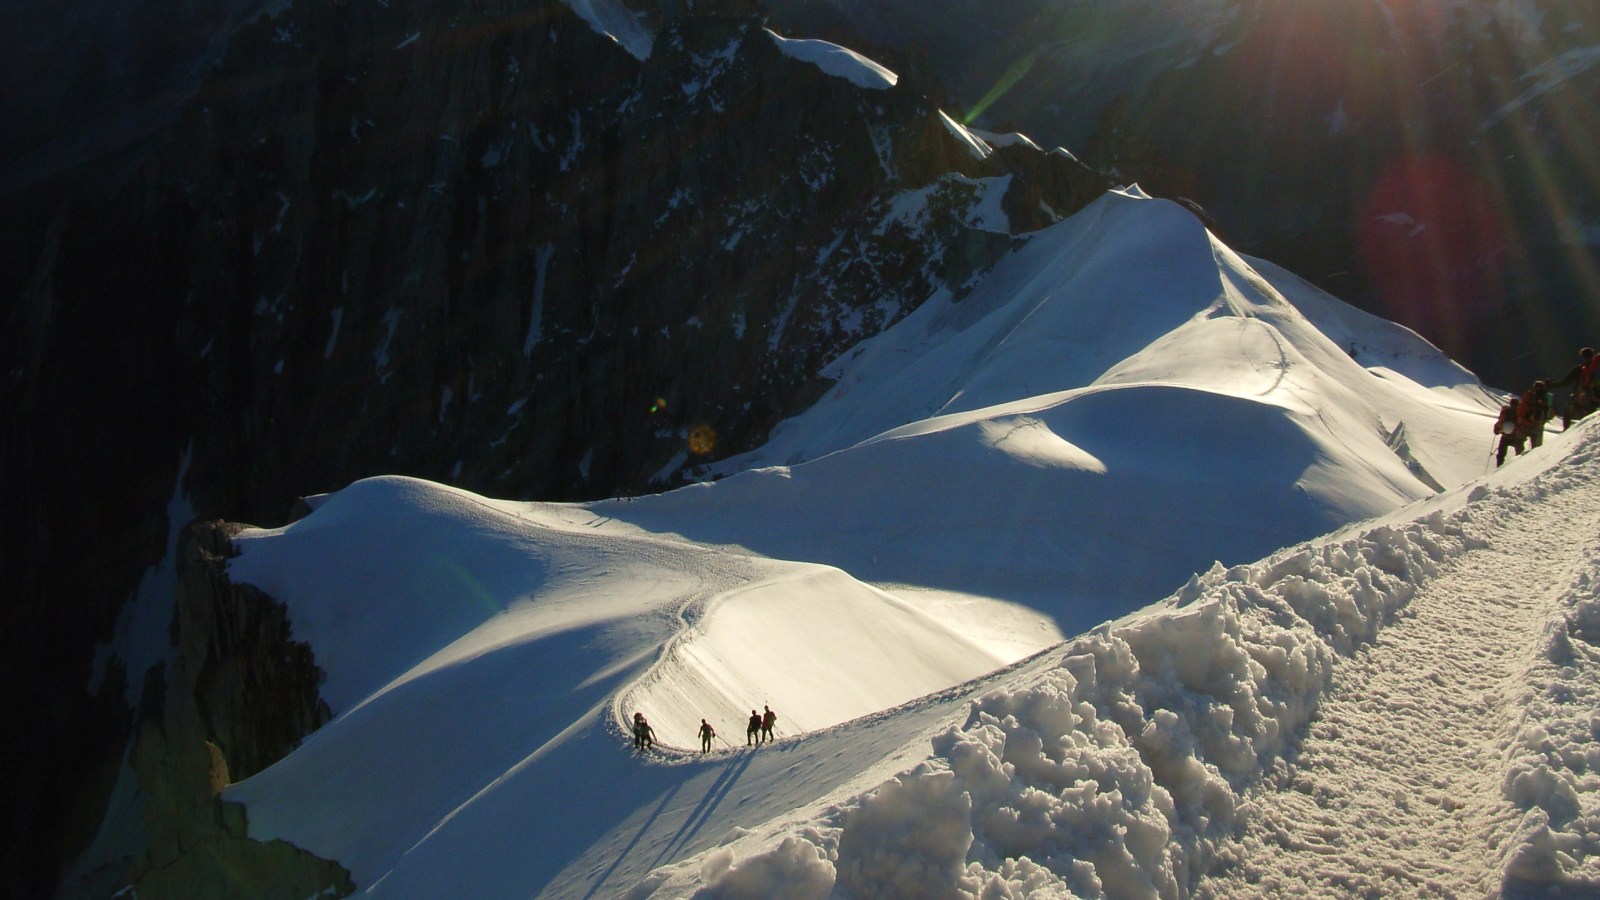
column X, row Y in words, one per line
column 1144, row 569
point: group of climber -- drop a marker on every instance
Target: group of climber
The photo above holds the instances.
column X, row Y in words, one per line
column 758, row 733
column 1521, row 420
column 644, row 737
column 760, row 727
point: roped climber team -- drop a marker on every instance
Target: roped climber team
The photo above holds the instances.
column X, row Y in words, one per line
column 1522, row 419
column 758, row 733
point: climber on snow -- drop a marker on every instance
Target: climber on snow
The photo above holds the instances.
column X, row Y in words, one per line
column 1511, row 436
column 1533, row 410
column 644, row 737
column 1582, row 381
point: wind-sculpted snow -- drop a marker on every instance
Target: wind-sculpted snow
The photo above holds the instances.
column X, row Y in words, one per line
column 1136, row 290
column 1118, row 772
column 840, row 62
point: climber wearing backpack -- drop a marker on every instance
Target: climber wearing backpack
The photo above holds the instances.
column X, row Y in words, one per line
column 767, row 721
column 1511, row 437
column 706, row 734
column 1533, row 410
column 1581, row 379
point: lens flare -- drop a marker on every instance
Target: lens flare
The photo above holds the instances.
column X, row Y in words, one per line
column 1003, row 87
column 702, row 440
column 1432, row 241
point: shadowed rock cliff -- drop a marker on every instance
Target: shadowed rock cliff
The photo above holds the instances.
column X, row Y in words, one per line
column 238, row 695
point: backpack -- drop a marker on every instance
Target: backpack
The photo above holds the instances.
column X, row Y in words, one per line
column 1507, row 423
column 1586, row 373
column 1534, row 407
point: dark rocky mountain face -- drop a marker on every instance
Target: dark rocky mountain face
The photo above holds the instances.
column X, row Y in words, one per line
column 482, row 244
column 1434, row 162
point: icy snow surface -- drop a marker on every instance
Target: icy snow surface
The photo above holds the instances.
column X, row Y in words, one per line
column 1117, row 405
column 840, row 62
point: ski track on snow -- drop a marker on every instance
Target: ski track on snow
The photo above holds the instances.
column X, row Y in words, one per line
column 1407, row 751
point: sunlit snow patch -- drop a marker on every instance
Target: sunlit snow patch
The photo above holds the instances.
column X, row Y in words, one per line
column 840, row 62
column 974, row 144
column 861, row 649
column 1030, row 441
column 1011, row 139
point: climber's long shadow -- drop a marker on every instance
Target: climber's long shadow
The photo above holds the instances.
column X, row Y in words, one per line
column 708, row 804
column 732, row 771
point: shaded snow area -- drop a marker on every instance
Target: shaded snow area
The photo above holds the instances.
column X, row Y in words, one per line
column 840, row 62
column 1402, row 705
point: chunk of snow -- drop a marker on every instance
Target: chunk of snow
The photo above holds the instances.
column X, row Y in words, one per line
column 974, row 144
column 1011, row 139
column 988, row 214
column 536, row 315
column 840, row 62
column 337, row 314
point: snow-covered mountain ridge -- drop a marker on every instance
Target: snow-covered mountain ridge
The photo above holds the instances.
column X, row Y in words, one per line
column 482, row 651
column 1155, row 754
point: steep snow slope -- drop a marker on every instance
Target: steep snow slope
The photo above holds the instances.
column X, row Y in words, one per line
column 1080, row 300
column 485, row 653
column 1123, row 387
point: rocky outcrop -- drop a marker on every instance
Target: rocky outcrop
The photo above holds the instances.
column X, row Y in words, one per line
column 254, row 686
column 238, row 696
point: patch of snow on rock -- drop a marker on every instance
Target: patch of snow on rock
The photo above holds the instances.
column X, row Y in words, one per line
column 975, row 144
column 840, row 62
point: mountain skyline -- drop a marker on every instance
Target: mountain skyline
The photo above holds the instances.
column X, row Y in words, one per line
column 577, row 251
